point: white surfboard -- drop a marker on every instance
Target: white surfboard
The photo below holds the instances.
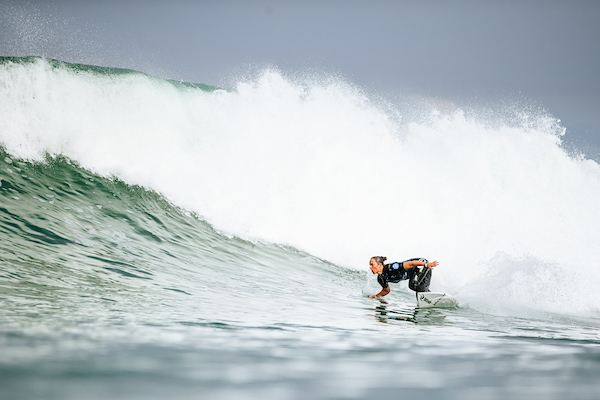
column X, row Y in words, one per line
column 435, row 299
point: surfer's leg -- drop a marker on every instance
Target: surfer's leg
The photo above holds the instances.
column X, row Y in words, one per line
column 419, row 278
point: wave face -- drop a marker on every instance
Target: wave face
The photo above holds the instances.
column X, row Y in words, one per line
column 76, row 245
column 314, row 164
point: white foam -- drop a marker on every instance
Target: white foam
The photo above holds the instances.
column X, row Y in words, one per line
column 321, row 167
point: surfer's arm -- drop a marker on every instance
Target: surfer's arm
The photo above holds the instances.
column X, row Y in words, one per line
column 383, row 292
column 416, row 263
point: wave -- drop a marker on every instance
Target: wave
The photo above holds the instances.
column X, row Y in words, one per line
column 317, row 164
column 72, row 242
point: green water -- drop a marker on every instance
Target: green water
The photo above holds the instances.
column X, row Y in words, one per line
column 109, row 291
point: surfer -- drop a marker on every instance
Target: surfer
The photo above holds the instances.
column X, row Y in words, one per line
column 416, row 270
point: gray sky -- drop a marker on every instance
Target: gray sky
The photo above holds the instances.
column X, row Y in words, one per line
column 543, row 52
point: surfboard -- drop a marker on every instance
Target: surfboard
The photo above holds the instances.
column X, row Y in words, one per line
column 435, row 299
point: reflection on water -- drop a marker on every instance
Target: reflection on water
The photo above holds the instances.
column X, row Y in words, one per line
column 385, row 312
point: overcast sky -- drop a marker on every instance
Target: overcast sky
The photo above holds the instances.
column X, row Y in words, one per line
column 546, row 52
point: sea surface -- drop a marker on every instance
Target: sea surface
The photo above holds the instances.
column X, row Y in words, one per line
column 170, row 240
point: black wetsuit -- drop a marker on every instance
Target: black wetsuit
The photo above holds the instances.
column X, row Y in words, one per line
column 419, row 278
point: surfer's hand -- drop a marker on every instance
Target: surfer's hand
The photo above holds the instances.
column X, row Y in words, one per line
column 433, row 264
column 371, row 296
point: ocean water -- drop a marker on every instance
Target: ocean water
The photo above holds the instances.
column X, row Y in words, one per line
column 162, row 239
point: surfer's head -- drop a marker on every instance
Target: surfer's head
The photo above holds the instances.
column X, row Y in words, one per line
column 376, row 264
